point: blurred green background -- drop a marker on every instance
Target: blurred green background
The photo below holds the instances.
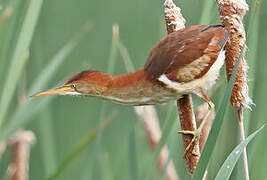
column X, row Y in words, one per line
column 64, row 37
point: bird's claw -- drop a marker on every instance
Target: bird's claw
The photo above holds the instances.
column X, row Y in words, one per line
column 196, row 136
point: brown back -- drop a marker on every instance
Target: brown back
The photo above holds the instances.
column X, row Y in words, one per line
column 183, row 47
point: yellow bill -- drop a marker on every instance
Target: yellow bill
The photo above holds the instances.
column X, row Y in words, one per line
column 63, row 90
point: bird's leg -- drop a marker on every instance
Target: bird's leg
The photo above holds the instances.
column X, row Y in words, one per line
column 197, row 133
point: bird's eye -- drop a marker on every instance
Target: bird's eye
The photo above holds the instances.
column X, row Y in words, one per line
column 73, row 86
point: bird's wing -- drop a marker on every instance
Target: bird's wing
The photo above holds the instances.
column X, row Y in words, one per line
column 180, row 49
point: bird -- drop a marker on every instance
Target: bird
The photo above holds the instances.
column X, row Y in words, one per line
column 187, row 61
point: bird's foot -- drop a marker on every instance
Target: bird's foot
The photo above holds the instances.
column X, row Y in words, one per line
column 194, row 142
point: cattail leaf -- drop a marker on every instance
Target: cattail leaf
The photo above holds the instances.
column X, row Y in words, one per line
column 229, row 164
column 20, row 52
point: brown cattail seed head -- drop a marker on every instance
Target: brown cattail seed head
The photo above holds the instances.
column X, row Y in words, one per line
column 173, row 17
column 187, row 121
column 231, row 14
column 21, row 143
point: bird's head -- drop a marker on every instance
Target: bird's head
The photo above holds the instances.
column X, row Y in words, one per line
column 89, row 82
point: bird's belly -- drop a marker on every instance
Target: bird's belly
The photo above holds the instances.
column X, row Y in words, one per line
column 149, row 100
column 147, row 96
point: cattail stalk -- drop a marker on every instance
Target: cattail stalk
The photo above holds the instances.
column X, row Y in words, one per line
column 202, row 110
column 187, row 121
column 231, row 14
column 21, row 143
column 2, row 148
column 175, row 21
column 242, row 138
column 5, row 15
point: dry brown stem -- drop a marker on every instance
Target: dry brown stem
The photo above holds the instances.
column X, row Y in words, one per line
column 242, row 138
column 202, row 110
column 21, row 143
column 175, row 21
column 2, row 148
column 231, row 14
column 5, row 15
column 153, row 132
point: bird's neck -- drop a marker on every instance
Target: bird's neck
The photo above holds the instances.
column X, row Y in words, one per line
column 129, row 88
column 132, row 89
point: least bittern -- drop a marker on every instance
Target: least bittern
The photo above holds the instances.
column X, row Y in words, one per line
column 186, row 61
